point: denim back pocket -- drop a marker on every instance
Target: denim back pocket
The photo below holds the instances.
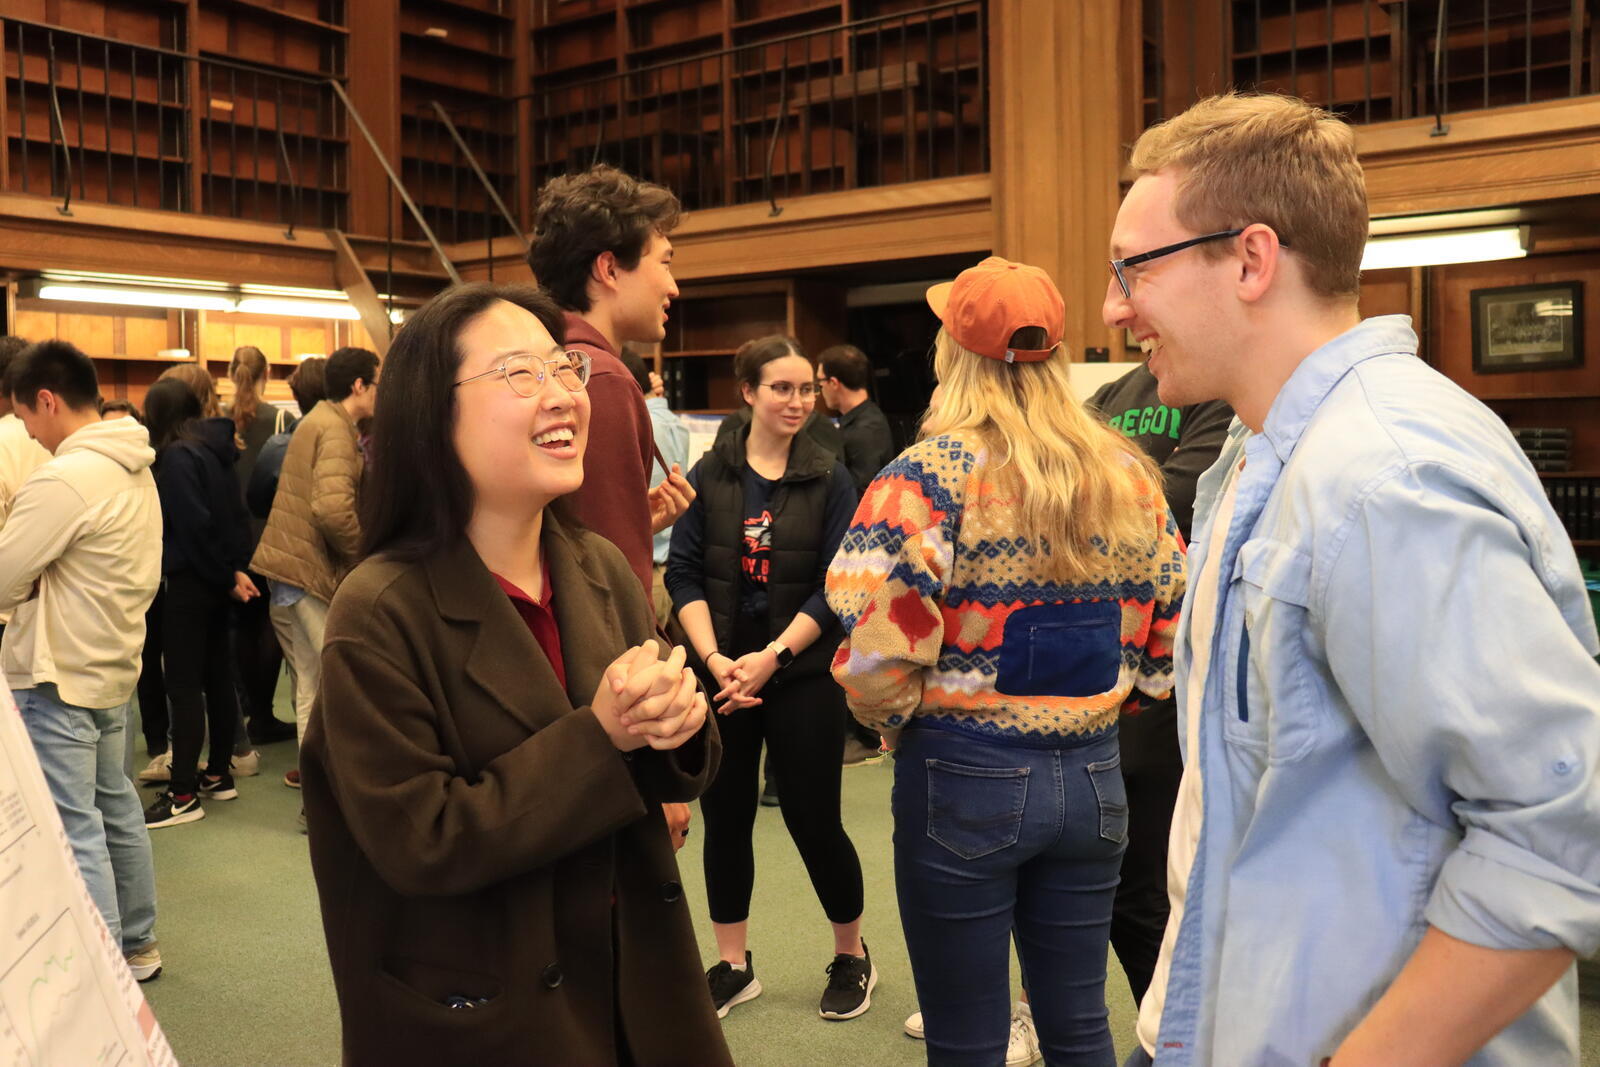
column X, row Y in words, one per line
column 1111, row 794
column 1061, row 650
column 973, row 811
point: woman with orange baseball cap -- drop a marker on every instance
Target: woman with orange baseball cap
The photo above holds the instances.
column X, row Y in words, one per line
column 1010, row 585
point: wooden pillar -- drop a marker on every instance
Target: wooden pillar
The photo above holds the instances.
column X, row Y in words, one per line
column 373, row 64
column 1056, row 104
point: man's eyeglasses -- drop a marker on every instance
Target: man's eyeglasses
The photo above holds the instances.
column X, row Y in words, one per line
column 785, row 390
column 526, row 375
column 1119, row 266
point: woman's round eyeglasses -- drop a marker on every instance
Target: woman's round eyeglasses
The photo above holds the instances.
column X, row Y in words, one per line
column 526, row 375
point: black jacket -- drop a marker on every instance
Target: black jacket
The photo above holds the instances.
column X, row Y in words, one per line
column 868, row 442
column 204, row 527
column 810, row 508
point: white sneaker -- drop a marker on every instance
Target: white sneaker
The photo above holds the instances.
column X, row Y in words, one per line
column 247, row 765
column 1023, row 1048
column 160, row 769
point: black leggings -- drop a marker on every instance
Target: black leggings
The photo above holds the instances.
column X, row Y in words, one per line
column 199, row 676
column 1151, row 769
column 257, row 656
column 804, row 732
column 152, row 685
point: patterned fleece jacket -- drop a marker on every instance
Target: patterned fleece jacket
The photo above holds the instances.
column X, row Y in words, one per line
column 948, row 622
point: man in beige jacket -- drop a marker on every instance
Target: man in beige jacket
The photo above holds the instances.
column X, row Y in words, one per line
column 80, row 559
column 313, row 535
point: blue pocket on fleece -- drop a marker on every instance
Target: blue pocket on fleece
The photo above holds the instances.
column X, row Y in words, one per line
column 1061, row 650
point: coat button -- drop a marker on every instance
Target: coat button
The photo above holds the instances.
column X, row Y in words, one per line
column 671, row 892
column 552, row 975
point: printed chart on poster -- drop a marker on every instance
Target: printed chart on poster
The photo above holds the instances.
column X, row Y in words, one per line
column 66, row 997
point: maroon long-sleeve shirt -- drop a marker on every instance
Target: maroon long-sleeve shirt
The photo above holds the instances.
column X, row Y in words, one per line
column 614, row 501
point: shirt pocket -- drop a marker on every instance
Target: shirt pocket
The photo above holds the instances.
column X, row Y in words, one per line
column 1272, row 704
column 1061, row 650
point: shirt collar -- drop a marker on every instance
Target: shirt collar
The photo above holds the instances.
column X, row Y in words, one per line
column 1297, row 402
column 581, row 332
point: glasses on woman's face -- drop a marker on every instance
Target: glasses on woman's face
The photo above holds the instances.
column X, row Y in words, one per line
column 786, row 390
column 526, row 375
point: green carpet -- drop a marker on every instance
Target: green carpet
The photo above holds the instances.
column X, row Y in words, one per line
column 247, row 982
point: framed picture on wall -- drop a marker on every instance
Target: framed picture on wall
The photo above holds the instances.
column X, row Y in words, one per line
column 1527, row 327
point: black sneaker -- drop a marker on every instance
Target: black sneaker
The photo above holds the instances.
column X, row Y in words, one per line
column 769, row 795
column 219, row 788
column 168, row 810
column 730, row 987
column 850, row 983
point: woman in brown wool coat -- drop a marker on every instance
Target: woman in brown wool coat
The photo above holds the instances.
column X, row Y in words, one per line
column 496, row 732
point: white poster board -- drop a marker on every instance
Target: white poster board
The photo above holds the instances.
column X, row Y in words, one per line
column 67, row 999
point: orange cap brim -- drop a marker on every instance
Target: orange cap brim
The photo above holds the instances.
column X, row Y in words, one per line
column 939, row 297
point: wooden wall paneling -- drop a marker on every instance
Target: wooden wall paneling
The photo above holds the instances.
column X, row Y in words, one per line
column 216, row 338
column 91, row 333
column 307, row 341
column 1055, row 154
column 374, row 88
column 144, row 335
column 1386, row 292
column 1451, row 295
column 817, row 315
column 33, row 325
column 199, row 105
column 267, row 336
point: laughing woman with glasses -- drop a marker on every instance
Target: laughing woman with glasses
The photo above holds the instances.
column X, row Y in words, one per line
column 496, row 731
column 745, row 572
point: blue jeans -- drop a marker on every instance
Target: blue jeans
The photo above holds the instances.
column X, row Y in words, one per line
column 81, row 751
column 991, row 839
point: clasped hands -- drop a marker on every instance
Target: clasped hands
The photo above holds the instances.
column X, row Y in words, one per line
column 741, row 679
column 644, row 700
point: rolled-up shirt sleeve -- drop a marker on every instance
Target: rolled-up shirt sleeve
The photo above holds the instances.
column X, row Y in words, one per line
column 1481, row 700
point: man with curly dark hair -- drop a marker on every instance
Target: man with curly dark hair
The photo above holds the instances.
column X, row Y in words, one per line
column 601, row 251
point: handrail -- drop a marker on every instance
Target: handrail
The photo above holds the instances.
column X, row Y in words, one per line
column 765, row 42
column 777, row 128
column 294, row 186
column 172, row 53
column 472, row 160
column 395, row 182
column 59, row 126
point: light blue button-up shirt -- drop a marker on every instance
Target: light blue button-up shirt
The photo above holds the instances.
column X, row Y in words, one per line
column 672, row 438
column 1401, row 720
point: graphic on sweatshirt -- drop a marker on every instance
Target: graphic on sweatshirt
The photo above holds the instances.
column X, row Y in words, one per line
column 757, row 557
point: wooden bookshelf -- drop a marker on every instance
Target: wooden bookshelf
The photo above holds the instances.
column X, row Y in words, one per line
column 462, row 55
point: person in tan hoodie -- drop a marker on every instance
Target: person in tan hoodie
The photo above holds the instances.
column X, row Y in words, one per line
column 80, row 559
column 313, row 534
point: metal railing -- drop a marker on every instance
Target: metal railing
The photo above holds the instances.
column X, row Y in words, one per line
column 1376, row 60
column 90, row 118
column 896, row 98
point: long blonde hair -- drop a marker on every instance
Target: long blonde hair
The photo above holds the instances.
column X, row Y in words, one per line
column 1076, row 481
column 248, row 371
column 199, row 382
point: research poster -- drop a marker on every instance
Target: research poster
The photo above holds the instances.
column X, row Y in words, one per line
column 66, row 997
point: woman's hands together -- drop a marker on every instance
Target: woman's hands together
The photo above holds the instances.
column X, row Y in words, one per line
column 644, row 700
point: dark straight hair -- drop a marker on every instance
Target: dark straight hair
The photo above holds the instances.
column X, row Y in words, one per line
column 417, row 499
column 171, row 409
column 57, row 367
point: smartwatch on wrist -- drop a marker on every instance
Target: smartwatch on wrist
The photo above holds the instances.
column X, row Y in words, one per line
column 785, row 657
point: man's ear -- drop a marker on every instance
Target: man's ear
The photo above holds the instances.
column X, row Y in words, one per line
column 1260, row 255
column 604, row 270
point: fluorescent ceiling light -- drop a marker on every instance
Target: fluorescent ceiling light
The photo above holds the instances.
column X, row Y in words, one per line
column 310, row 309
column 148, row 298
column 1449, row 246
column 189, row 294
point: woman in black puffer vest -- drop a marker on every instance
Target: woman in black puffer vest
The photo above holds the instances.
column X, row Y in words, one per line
column 746, row 575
